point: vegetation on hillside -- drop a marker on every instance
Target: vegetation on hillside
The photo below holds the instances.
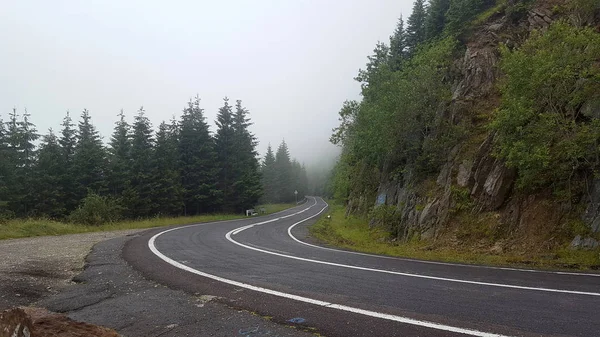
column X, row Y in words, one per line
column 546, row 125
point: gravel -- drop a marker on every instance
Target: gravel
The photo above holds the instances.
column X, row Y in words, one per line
column 34, row 268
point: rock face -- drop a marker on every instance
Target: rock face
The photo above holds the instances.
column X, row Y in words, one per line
column 592, row 213
column 471, row 171
column 36, row 322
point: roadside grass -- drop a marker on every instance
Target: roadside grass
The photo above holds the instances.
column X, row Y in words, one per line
column 22, row 228
column 355, row 234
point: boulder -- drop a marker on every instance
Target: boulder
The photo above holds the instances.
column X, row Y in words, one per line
column 15, row 323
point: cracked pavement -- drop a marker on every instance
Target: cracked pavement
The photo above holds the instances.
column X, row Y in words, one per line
column 110, row 293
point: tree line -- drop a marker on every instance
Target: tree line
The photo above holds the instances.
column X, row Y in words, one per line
column 179, row 169
column 282, row 176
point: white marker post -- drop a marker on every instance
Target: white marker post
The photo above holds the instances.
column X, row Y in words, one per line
column 296, row 194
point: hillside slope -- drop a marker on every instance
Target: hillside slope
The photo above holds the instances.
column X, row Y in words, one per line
column 507, row 159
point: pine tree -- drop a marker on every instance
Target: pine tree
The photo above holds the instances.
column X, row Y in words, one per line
column 167, row 192
column 248, row 187
column 227, row 156
column 49, row 194
column 284, row 175
column 197, row 162
column 368, row 76
column 398, row 46
column 21, row 136
column 139, row 192
column 5, row 171
column 119, row 157
column 269, row 177
column 461, row 12
column 89, row 159
column 436, row 18
column 68, row 143
column 416, row 26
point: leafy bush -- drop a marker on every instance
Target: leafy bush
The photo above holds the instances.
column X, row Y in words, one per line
column 389, row 217
column 96, row 210
column 461, row 12
column 542, row 126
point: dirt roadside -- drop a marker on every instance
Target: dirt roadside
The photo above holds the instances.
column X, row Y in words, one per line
column 48, row 272
column 34, row 268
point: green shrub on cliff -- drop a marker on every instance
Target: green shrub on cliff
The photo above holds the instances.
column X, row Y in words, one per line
column 548, row 124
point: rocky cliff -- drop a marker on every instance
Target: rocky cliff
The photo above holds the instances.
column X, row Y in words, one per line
column 473, row 199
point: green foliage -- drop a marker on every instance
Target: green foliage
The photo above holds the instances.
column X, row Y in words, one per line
column 546, row 126
column 398, row 123
column 96, row 210
column 172, row 172
column 462, row 12
column 49, row 200
column 138, row 194
column 269, row 176
column 248, row 185
column 119, row 156
column 398, row 47
column 462, row 199
column 197, row 162
column 283, row 174
column 415, row 30
column 89, row 158
column 435, row 22
column 167, row 193
column 389, row 217
column 68, row 143
column 582, row 12
column 518, row 11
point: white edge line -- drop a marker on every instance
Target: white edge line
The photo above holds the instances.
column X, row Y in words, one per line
column 434, row 262
column 500, row 285
column 400, row 319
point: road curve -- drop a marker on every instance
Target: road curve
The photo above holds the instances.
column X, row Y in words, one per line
column 262, row 264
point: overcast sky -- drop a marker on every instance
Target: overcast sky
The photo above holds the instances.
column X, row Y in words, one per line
column 291, row 62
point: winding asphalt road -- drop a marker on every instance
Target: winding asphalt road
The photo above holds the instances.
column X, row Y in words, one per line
column 263, row 264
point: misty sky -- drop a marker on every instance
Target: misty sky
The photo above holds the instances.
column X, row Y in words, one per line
column 291, row 62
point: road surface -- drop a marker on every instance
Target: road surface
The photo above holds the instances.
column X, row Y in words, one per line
column 263, row 264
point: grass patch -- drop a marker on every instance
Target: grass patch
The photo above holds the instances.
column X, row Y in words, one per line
column 355, row 234
column 22, row 228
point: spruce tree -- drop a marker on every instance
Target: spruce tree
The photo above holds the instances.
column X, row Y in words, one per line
column 461, row 12
column 119, row 157
column 284, row 174
column 436, row 18
column 248, row 187
column 49, row 193
column 269, row 177
column 89, row 160
column 227, row 156
column 5, row 171
column 21, row 135
column 167, row 193
column 68, row 143
column 398, row 46
column 416, row 26
column 197, row 162
column 139, row 192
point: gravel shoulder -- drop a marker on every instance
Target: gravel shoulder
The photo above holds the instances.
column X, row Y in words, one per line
column 49, row 272
column 34, row 268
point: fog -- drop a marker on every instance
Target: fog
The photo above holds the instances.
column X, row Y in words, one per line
column 292, row 63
